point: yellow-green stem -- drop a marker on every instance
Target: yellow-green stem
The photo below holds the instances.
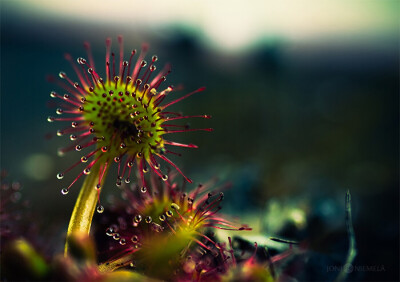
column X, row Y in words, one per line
column 113, row 265
column 85, row 206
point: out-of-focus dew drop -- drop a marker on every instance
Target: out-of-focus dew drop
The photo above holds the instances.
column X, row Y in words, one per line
column 38, row 166
column 298, row 217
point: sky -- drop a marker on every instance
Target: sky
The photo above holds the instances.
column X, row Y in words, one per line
column 232, row 26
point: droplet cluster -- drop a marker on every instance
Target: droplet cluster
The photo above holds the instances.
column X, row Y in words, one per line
column 164, row 220
column 119, row 118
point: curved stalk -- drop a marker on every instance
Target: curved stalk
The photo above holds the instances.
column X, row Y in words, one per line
column 113, row 265
column 82, row 215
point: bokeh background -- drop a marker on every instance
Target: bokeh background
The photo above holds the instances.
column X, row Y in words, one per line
column 304, row 99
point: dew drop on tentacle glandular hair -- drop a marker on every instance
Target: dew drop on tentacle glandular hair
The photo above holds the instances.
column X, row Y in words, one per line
column 100, row 209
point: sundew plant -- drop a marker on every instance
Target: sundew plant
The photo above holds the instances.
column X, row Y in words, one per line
column 199, row 140
column 116, row 115
column 118, row 119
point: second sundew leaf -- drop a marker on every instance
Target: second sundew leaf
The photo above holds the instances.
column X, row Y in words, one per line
column 155, row 231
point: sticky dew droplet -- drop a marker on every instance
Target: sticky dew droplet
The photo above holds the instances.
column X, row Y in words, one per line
column 137, row 218
column 109, row 231
column 135, row 239
column 175, row 206
column 100, row 209
column 156, row 227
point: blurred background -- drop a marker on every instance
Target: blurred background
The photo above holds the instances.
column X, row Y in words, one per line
column 304, row 99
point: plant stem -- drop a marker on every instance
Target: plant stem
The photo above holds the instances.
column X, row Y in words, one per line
column 82, row 215
column 113, row 265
